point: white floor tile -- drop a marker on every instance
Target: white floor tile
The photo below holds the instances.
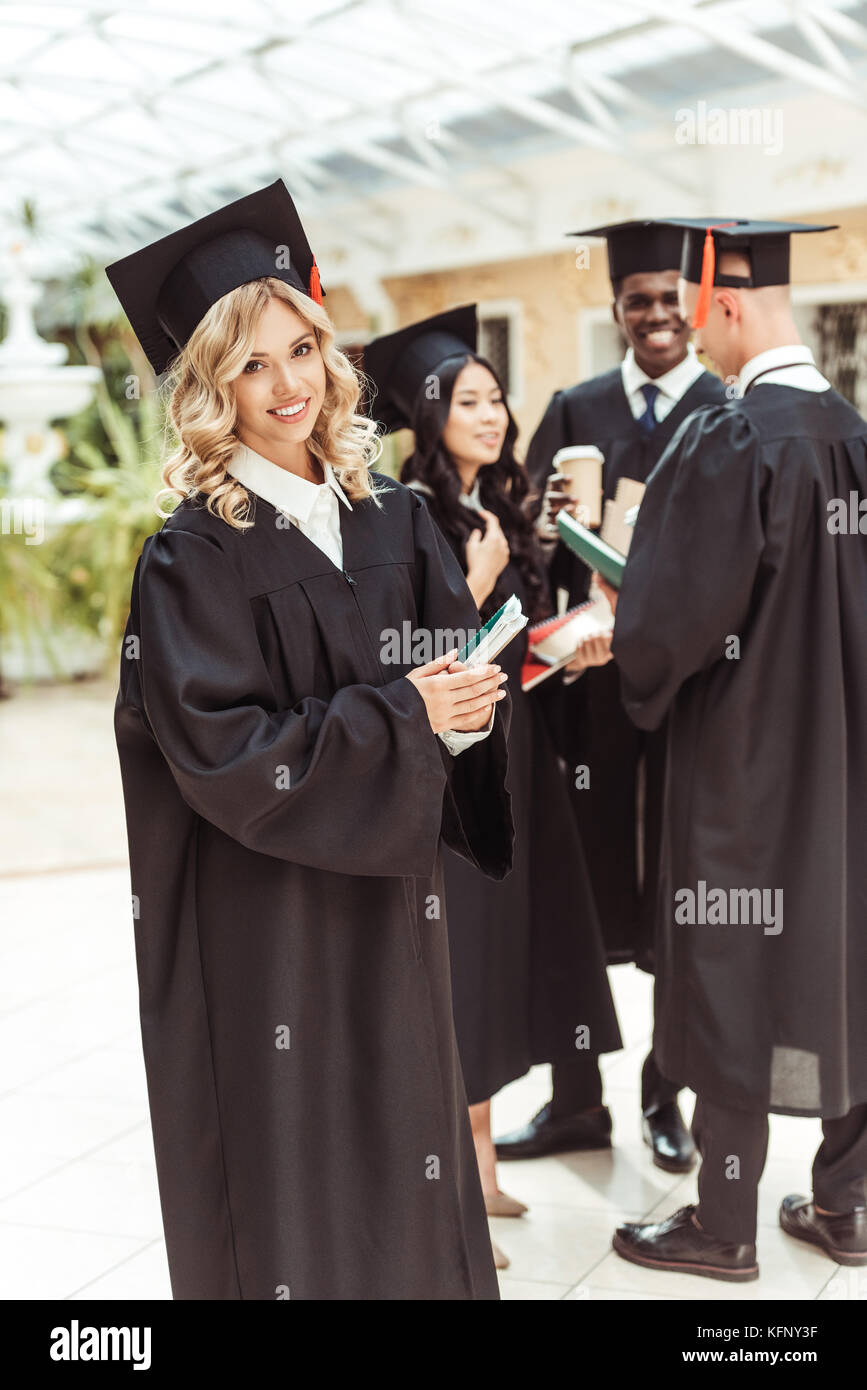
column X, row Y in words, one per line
column 100, row 1075
column 107, row 1198
column 527, row 1291
column 556, row 1245
column 590, row 1293
column 39, row 1263
column 846, row 1285
column 144, row 1276
column 65, row 1127
column 20, row 1167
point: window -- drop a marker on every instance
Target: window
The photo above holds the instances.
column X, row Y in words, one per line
column 500, row 342
column 841, row 337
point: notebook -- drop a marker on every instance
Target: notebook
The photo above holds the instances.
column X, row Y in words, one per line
column 496, row 634
column 553, row 643
column 607, row 551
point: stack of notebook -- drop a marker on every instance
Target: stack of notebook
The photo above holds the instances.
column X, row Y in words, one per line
column 497, row 633
column 555, row 641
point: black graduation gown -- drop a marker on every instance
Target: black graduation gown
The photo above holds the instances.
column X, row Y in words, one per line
column 587, row 718
column 333, row 1160
column 528, row 961
column 767, row 774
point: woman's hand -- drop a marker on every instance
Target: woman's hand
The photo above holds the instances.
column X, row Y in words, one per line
column 457, row 697
column 487, row 557
column 594, row 651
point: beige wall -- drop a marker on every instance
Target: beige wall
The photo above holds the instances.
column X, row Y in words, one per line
column 552, row 291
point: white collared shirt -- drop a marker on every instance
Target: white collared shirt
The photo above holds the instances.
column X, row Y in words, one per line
column 472, row 499
column 315, row 509
column 672, row 385
column 799, row 364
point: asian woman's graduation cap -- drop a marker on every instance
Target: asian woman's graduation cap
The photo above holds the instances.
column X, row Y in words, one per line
column 168, row 287
column 400, row 363
column 766, row 245
column 639, row 247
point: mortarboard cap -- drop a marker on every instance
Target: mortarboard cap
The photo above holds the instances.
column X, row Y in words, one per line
column 168, row 287
column 399, row 363
column 766, row 244
column 637, row 248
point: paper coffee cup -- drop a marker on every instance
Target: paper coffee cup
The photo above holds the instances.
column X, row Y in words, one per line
column 582, row 464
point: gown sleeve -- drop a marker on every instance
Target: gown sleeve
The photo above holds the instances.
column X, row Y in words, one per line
column 692, row 563
column 477, row 817
column 354, row 785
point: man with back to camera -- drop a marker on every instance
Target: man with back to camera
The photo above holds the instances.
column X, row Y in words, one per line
column 743, row 619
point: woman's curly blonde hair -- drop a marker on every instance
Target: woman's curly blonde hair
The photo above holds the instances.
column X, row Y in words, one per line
column 203, row 413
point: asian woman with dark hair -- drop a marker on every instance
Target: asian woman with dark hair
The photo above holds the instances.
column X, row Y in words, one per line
column 528, row 972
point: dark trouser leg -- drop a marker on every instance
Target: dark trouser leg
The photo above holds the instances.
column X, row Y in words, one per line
column 840, row 1165
column 576, row 1085
column 655, row 1090
column 733, row 1145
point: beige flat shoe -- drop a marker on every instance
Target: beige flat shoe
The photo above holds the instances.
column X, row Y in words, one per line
column 501, row 1261
column 499, row 1204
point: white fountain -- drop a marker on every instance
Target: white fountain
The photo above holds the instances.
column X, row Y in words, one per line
column 36, row 387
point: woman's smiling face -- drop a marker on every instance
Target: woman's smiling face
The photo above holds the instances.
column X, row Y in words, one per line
column 280, row 389
column 478, row 420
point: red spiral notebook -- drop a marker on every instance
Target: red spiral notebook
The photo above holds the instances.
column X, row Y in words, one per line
column 553, row 642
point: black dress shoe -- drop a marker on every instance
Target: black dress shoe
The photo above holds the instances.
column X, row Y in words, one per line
column 665, row 1133
column 843, row 1236
column 589, row 1129
column 677, row 1244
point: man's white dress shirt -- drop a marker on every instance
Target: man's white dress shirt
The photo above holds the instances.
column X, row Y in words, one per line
column 672, row 385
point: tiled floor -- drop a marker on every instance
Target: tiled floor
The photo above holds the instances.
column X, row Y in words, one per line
column 79, row 1213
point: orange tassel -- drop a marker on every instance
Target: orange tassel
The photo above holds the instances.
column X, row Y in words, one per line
column 315, row 284
column 708, row 266
column 708, row 271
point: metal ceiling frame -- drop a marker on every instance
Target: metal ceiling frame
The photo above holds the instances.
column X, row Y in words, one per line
column 120, row 186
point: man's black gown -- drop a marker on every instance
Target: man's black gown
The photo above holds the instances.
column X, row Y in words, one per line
column 590, row 725
column 527, row 956
column 766, row 784
column 285, row 800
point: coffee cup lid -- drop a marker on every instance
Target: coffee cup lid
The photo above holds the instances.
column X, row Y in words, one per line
column 584, row 451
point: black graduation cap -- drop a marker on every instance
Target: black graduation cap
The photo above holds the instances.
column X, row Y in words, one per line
column 636, row 248
column 399, row 363
column 168, row 287
column 766, row 244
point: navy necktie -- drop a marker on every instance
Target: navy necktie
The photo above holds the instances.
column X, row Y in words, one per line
column 647, row 421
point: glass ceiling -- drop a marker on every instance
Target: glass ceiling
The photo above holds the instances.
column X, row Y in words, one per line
column 120, row 118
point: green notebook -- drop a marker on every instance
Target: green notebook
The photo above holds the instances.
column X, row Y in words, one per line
column 496, row 634
column 592, row 549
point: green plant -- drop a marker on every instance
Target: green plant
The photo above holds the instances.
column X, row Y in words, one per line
column 79, row 577
column 97, row 554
